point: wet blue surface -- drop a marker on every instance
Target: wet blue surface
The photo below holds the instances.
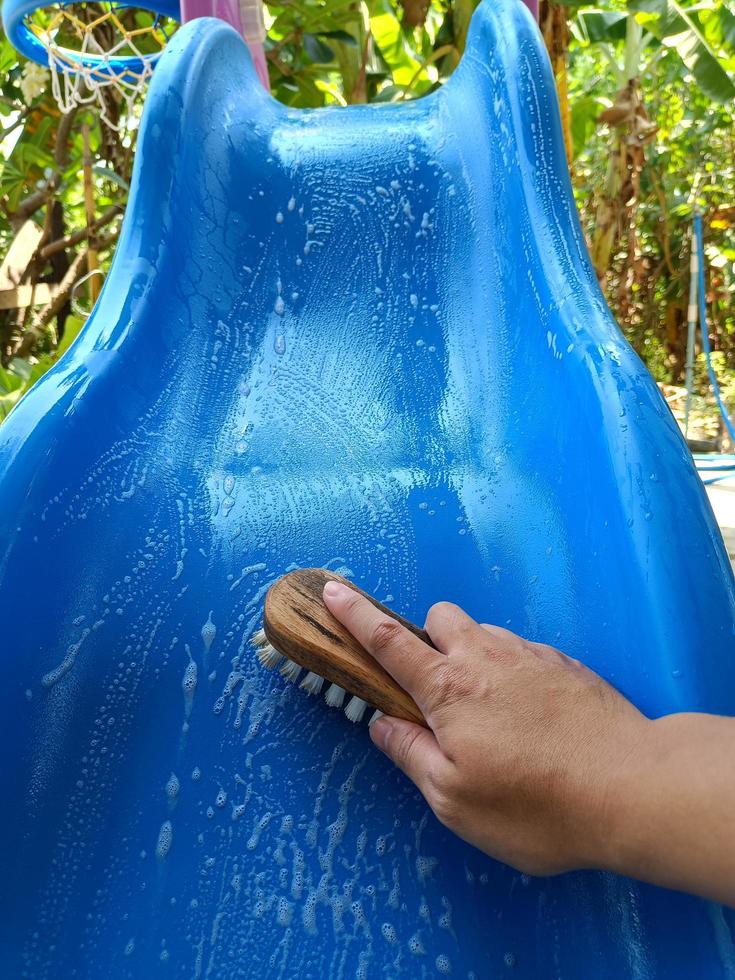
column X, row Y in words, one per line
column 363, row 338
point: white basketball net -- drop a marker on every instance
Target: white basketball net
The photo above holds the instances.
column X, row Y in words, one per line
column 106, row 32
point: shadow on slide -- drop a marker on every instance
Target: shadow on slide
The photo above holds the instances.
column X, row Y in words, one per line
column 368, row 339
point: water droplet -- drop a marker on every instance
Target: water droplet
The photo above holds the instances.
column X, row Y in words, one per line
column 165, row 839
column 172, row 786
column 443, row 964
column 209, row 631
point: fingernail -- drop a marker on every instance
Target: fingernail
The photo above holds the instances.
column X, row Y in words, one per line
column 334, row 589
column 379, row 731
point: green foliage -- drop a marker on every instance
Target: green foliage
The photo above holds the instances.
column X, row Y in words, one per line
column 341, row 52
column 690, row 161
column 21, row 374
column 338, row 52
column 600, row 26
column 679, row 29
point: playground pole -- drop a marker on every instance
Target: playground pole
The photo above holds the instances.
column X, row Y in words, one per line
column 246, row 16
column 691, row 323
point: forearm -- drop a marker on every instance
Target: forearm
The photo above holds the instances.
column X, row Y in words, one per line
column 671, row 810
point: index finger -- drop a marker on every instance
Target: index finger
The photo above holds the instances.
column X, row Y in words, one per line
column 406, row 658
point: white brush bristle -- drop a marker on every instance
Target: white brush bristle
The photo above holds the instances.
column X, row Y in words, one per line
column 259, row 639
column 335, row 696
column 312, row 683
column 290, row 670
column 374, row 717
column 355, row 709
column 269, row 656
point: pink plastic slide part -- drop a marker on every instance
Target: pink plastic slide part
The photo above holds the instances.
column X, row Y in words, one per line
column 229, row 11
column 533, row 7
column 257, row 52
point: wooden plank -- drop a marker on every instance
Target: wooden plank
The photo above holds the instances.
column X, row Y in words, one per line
column 19, row 255
column 20, row 297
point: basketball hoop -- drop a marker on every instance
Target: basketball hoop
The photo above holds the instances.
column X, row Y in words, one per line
column 101, row 48
column 94, row 49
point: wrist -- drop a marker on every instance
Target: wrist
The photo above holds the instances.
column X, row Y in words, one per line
column 666, row 813
column 626, row 780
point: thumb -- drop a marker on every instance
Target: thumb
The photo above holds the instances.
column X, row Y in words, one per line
column 413, row 748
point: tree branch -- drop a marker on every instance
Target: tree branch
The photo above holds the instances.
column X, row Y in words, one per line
column 42, row 319
column 75, row 237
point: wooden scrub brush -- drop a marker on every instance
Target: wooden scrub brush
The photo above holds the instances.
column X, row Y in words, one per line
column 299, row 633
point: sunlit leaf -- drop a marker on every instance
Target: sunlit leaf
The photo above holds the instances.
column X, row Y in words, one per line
column 8, row 401
column 679, row 32
column 20, row 368
column 584, row 120
column 109, row 174
column 71, row 330
column 9, row 381
column 594, row 26
column 726, row 18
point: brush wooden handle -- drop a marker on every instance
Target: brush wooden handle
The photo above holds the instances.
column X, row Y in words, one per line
column 299, row 625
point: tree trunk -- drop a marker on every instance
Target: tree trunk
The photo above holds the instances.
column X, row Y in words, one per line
column 555, row 31
column 630, row 130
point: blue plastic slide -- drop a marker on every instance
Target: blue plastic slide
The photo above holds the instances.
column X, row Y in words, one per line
column 368, row 339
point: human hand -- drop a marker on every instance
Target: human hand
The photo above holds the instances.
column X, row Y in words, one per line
column 526, row 747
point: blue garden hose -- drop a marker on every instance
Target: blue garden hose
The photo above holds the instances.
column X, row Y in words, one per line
column 720, row 466
column 717, row 461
